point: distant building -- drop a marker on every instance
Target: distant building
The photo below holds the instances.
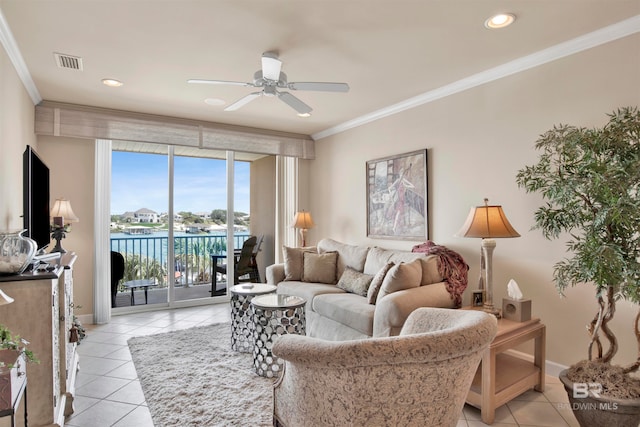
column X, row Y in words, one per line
column 203, row 215
column 146, row 215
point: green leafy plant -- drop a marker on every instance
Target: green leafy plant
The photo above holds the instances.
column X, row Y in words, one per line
column 8, row 341
column 590, row 179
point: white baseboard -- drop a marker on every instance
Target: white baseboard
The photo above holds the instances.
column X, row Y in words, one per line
column 85, row 319
column 551, row 368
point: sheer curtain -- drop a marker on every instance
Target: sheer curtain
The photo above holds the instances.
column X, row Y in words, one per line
column 286, row 203
column 102, row 220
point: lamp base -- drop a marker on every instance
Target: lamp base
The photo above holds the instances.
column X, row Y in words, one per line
column 489, row 308
column 59, row 248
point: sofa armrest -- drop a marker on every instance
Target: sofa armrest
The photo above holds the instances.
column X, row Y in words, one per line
column 392, row 310
column 274, row 274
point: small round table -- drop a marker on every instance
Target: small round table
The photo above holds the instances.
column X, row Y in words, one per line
column 274, row 315
column 241, row 314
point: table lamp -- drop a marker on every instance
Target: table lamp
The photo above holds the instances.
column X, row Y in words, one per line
column 62, row 215
column 303, row 221
column 488, row 222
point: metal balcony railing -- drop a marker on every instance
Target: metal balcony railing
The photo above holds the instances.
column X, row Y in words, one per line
column 146, row 257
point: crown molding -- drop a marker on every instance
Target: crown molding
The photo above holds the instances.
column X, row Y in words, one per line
column 10, row 45
column 587, row 41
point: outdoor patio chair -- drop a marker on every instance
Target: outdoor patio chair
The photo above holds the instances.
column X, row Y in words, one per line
column 117, row 273
column 242, row 266
column 255, row 272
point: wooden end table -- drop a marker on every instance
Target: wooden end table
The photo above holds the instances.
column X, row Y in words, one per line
column 502, row 377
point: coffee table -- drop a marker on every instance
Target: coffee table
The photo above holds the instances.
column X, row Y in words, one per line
column 274, row 315
column 241, row 314
column 140, row 283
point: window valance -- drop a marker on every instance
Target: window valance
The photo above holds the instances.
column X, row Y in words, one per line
column 79, row 121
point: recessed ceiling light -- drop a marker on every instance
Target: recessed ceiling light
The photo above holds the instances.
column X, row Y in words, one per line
column 214, row 101
column 112, row 82
column 304, row 115
column 500, row 20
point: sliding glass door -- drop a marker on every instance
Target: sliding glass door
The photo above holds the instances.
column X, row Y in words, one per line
column 170, row 223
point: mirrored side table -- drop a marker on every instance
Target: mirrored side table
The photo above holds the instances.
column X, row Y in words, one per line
column 274, row 315
column 241, row 315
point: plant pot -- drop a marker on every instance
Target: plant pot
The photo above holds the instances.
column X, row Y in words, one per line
column 597, row 411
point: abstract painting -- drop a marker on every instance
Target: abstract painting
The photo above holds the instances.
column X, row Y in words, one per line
column 397, row 197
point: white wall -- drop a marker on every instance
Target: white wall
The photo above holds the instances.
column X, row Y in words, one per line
column 477, row 141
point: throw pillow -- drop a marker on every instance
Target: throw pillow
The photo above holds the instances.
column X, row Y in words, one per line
column 319, row 268
column 376, row 283
column 355, row 282
column 293, row 261
column 405, row 275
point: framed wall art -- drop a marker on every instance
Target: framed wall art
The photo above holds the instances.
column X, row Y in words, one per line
column 397, row 197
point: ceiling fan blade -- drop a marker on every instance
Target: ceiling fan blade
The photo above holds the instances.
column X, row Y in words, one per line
column 271, row 66
column 319, row 86
column 294, row 102
column 218, row 82
column 243, row 101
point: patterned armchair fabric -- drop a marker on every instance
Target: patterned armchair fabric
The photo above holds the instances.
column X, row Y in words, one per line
column 419, row 378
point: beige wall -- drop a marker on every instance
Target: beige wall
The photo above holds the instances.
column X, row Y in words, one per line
column 477, row 141
column 263, row 208
column 16, row 132
column 71, row 162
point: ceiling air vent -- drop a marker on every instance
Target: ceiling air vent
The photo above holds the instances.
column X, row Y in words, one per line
column 68, row 61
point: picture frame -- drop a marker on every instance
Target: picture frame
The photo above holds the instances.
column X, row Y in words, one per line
column 477, row 298
column 397, row 195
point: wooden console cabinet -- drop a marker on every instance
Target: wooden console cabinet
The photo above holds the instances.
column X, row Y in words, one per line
column 42, row 313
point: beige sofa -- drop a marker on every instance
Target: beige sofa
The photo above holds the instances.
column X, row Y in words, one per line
column 341, row 306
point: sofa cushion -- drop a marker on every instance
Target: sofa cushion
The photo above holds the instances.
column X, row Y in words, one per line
column 348, row 309
column 348, row 255
column 376, row 283
column 355, row 282
column 307, row 290
column 319, row 268
column 429, row 265
column 377, row 258
column 405, row 275
column 293, row 261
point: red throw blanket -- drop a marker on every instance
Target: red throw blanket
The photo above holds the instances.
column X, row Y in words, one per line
column 451, row 266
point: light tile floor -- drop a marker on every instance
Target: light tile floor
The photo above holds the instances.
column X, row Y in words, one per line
column 108, row 392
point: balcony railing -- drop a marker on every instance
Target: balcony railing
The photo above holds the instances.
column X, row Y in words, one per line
column 146, row 257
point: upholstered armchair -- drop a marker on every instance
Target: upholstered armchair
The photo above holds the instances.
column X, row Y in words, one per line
column 419, row 378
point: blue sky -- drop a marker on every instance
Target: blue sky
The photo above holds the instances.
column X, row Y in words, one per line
column 140, row 181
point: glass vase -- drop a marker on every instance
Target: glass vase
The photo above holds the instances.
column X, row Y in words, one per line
column 16, row 252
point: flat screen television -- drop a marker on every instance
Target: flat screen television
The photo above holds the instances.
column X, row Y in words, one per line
column 36, row 199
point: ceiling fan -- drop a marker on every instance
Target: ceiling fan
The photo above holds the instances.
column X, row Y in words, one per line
column 270, row 78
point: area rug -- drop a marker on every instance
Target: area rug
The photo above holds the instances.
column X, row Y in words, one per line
column 192, row 377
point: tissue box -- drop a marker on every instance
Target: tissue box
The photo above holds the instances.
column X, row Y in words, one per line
column 516, row 310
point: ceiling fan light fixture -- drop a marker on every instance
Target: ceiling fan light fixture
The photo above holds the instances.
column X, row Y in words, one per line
column 500, row 20
column 304, row 115
column 112, row 82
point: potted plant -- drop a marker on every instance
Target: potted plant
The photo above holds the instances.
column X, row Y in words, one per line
column 590, row 180
column 16, row 345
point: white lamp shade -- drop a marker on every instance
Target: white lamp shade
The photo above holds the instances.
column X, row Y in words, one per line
column 303, row 220
column 62, row 208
